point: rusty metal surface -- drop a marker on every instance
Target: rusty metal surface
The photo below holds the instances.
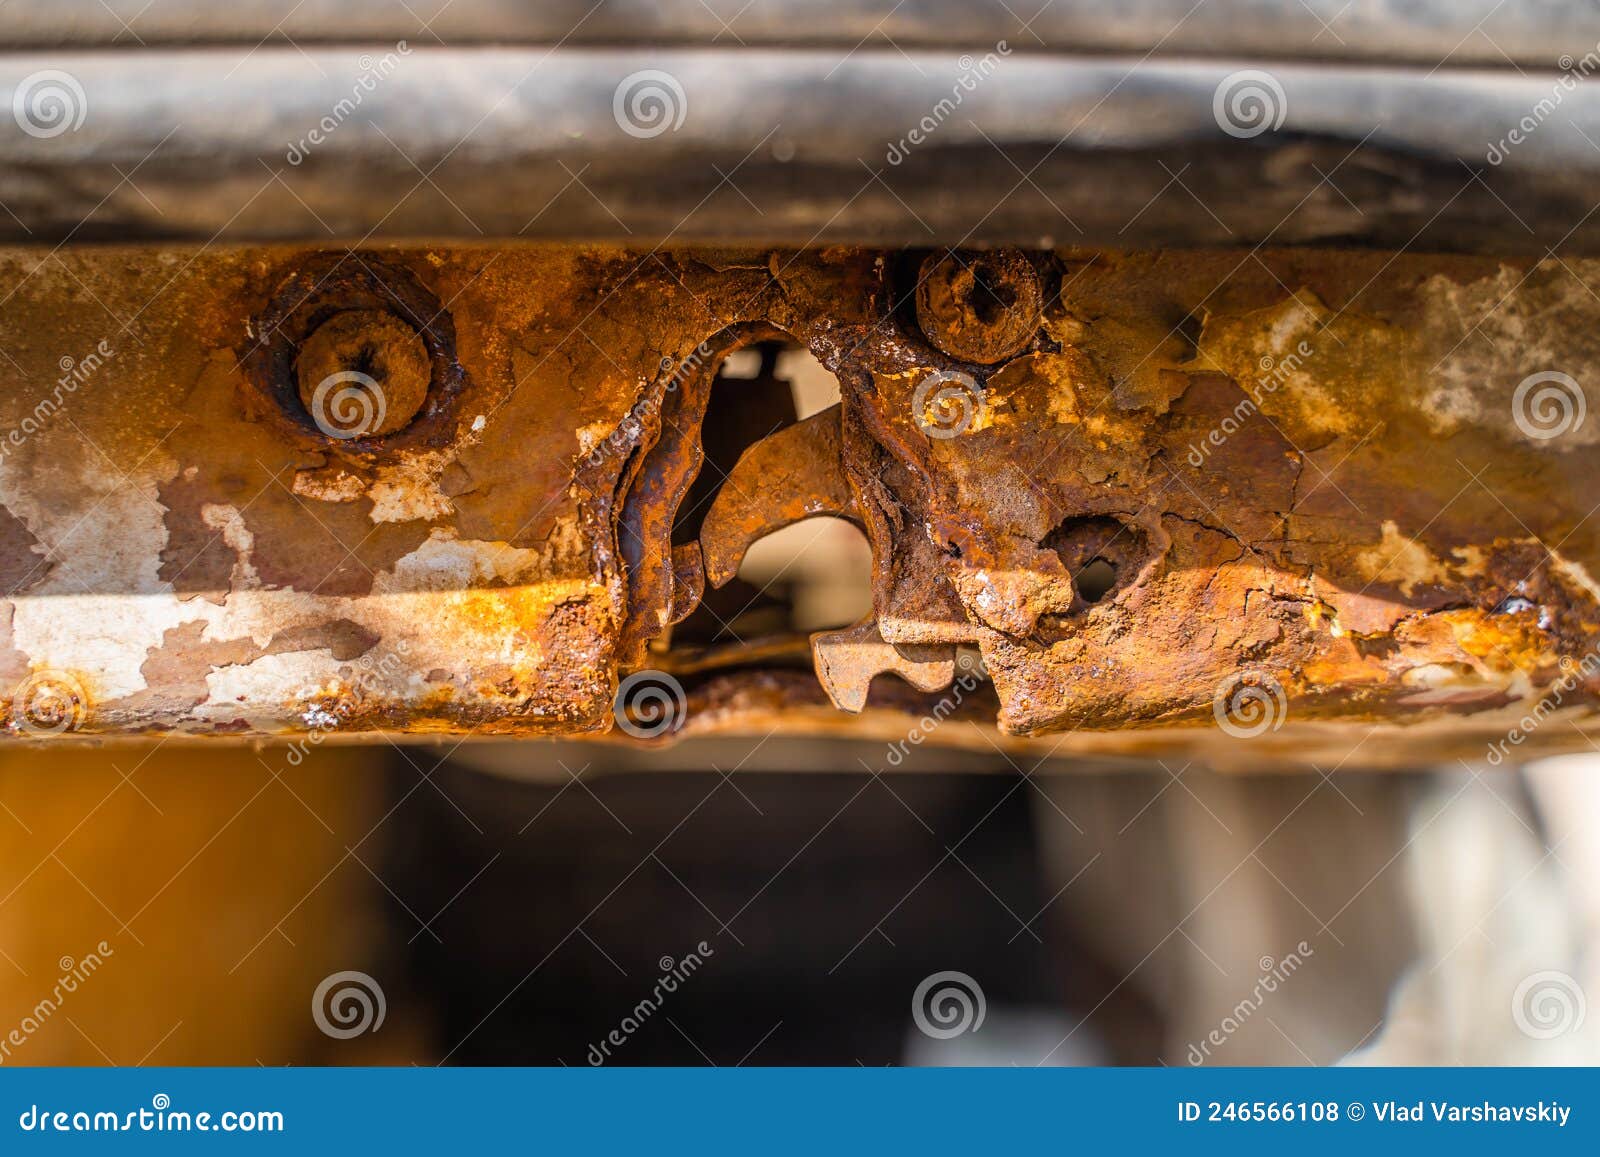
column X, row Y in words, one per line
column 1264, row 508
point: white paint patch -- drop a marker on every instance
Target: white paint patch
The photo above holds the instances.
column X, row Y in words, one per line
column 237, row 537
column 409, row 490
column 1480, row 339
column 103, row 605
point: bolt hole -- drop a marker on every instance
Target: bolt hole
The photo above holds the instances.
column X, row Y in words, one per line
column 1094, row 582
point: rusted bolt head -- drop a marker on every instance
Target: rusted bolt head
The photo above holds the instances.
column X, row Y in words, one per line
column 979, row 307
column 363, row 374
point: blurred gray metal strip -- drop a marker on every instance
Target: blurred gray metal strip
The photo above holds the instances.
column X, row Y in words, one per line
column 1496, row 33
column 791, row 147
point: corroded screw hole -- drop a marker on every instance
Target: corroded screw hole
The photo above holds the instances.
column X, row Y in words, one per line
column 373, row 340
column 363, row 374
column 980, row 307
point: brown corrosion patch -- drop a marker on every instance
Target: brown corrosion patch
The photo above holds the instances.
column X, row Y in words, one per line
column 1148, row 480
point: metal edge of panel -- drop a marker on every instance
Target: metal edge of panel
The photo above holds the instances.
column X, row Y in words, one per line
column 1496, row 33
column 764, row 146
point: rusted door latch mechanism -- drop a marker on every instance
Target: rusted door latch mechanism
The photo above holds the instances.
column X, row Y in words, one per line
column 1280, row 507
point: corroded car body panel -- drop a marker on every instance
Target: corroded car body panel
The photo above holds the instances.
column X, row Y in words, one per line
column 1337, row 494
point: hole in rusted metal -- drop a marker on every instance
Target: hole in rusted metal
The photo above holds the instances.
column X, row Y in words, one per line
column 1095, row 581
column 749, row 401
column 806, row 576
column 822, row 567
column 1099, row 552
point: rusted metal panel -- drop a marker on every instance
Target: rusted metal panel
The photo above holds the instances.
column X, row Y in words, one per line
column 1325, row 496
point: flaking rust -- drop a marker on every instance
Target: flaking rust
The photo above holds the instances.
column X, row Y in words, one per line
column 1304, row 506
